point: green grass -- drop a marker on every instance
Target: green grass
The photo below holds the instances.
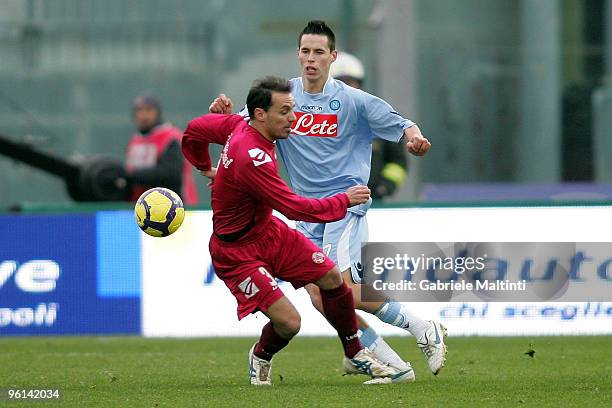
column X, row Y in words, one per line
column 136, row 372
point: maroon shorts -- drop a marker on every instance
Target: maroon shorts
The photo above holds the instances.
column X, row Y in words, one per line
column 249, row 269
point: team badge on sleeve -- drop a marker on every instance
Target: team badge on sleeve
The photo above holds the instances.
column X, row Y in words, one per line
column 318, row 257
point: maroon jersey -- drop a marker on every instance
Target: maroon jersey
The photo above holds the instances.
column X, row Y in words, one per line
column 143, row 152
column 248, row 187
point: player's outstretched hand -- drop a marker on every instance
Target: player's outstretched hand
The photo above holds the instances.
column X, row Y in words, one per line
column 358, row 195
column 211, row 174
column 417, row 143
column 221, row 104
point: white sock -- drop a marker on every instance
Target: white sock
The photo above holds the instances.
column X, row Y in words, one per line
column 379, row 347
column 416, row 326
column 386, row 354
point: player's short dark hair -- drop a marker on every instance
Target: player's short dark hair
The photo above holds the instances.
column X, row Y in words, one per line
column 319, row 27
column 260, row 94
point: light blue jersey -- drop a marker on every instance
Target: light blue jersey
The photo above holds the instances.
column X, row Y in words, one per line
column 330, row 146
column 330, row 150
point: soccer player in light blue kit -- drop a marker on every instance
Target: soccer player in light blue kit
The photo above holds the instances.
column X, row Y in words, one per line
column 328, row 151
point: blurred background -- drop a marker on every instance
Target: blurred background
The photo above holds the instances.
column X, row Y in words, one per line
column 512, row 93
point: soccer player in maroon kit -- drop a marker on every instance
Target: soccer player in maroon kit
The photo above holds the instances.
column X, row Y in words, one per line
column 250, row 247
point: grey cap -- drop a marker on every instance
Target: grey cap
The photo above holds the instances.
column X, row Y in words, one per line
column 146, row 99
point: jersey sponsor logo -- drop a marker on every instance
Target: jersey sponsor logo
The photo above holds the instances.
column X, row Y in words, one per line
column 315, row 125
column 313, row 108
column 334, row 105
column 248, row 287
column 318, row 257
column 259, row 156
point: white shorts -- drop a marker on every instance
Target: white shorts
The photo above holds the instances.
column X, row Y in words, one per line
column 341, row 241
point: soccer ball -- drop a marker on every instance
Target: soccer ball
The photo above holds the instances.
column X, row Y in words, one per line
column 159, row 212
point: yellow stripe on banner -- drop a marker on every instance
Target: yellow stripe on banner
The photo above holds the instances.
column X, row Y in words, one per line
column 395, row 173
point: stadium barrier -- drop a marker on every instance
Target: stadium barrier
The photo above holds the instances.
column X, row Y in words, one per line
column 98, row 274
column 69, row 274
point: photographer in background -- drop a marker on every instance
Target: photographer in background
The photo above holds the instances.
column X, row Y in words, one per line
column 153, row 155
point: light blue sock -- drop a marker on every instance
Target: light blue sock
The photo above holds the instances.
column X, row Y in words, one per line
column 368, row 337
column 390, row 312
column 396, row 314
column 377, row 345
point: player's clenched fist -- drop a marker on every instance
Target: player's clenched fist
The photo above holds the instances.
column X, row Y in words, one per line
column 358, row 195
column 221, row 104
column 416, row 144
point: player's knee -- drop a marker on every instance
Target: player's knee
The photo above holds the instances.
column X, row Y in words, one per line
column 335, row 277
column 293, row 324
column 289, row 326
column 330, row 280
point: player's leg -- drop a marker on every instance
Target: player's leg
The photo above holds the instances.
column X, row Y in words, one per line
column 429, row 334
column 283, row 325
column 368, row 336
column 339, row 309
column 347, row 241
column 386, row 309
column 343, row 239
column 300, row 262
column 315, row 298
column 255, row 289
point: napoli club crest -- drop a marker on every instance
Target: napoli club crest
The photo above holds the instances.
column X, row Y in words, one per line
column 334, row 105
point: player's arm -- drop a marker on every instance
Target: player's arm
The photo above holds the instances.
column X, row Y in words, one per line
column 264, row 183
column 387, row 124
column 201, row 132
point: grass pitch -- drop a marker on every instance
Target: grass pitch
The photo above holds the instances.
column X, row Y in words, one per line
column 136, row 372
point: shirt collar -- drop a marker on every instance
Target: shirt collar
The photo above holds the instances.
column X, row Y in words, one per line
column 328, row 82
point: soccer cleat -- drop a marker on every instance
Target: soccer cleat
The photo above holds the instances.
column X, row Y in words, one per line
column 432, row 345
column 404, row 374
column 364, row 362
column 406, row 366
column 260, row 370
